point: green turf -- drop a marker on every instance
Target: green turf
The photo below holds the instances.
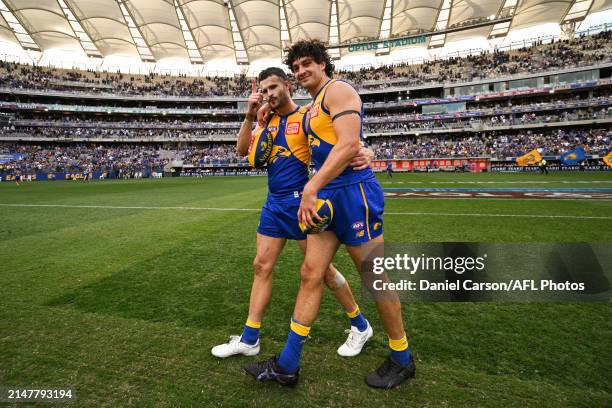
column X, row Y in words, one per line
column 124, row 304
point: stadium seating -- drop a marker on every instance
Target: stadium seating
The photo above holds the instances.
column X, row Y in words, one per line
column 581, row 51
column 91, row 125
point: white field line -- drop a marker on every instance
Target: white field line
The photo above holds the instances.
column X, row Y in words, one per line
column 392, row 213
column 130, row 207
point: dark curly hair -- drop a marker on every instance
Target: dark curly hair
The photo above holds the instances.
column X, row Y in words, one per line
column 314, row 49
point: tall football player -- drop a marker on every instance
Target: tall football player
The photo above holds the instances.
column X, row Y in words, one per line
column 334, row 127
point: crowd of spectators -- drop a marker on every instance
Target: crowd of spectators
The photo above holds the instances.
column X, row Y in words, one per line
column 80, row 158
column 214, row 154
column 136, row 157
column 135, row 121
column 20, row 76
column 127, row 158
column 402, row 123
column 493, row 145
column 583, row 50
column 115, row 133
column 202, row 128
column 482, row 141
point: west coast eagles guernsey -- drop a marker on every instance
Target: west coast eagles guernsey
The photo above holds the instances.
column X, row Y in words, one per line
column 322, row 139
column 288, row 163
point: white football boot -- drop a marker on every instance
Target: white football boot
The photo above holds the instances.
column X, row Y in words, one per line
column 234, row 346
column 355, row 341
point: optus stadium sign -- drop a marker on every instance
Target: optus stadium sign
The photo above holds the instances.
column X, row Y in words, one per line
column 399, row 42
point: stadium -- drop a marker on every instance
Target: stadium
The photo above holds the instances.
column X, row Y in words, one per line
column 132, row 215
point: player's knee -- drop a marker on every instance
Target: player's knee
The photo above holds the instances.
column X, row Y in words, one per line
column 262, row 269
column 310, row 275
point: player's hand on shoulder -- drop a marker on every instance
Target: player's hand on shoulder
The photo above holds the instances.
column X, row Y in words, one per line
column 263, row 115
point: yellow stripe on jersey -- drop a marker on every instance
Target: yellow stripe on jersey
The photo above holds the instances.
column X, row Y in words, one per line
column 367, row 215
column 273, row 125
column 320, row 122
column 296, row 138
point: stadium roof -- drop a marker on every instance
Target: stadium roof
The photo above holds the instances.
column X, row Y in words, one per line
column 199, row 31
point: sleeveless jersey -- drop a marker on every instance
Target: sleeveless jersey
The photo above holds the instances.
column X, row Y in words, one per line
column 288, row 163
column 322, row 139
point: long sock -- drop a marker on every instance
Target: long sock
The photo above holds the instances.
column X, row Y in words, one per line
column 357, row 319
column 250, row 333
column 400, row 352
column 289, row 358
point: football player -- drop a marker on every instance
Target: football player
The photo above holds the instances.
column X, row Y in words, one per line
column 334, row 128
column 287, row 167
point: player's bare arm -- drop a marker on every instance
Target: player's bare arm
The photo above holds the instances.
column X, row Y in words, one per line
column 253, row 105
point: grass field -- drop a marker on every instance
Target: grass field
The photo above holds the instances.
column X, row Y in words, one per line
column 120, row 288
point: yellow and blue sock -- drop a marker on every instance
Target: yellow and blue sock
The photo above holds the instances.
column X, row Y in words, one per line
column 357, row 319
column 250, row 333
column 289, row 358
column 400, row 353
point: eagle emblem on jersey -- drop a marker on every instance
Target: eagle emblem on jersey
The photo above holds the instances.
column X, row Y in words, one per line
column 312, row 141
column 278, row 152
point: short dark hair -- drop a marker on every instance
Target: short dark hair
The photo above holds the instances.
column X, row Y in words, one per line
column 314, row 49
column 268, row 72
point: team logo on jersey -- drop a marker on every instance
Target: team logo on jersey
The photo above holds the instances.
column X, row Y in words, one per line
column 358, row 225
column 312, row 141
column 272, row 129
column 279, row 152
column 293, row 128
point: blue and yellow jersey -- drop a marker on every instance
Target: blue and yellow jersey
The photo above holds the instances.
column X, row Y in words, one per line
column 288, row 163
column 322, row 139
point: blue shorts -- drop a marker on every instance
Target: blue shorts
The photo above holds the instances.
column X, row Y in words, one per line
column 279, row 218
column 358, row 210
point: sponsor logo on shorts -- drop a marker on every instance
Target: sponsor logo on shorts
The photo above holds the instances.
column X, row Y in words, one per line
column 293, row 128
column 359, row 234
column 358, row 225
column 377, row 226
